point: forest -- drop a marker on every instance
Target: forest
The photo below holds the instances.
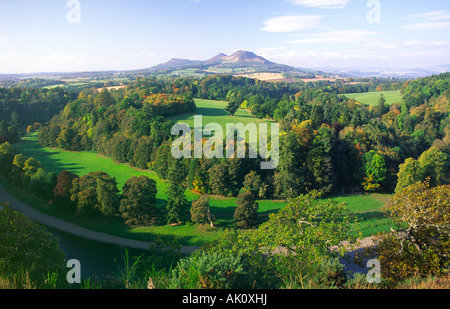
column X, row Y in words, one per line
column 329, row 145
column 324, row 133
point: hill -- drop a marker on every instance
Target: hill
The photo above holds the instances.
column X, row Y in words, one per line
column 239, row 63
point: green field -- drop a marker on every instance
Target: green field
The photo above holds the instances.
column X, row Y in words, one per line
column 372, row 98
column 214, row 112
column 366, row 207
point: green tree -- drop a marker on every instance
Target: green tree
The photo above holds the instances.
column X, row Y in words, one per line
column 232, row 108
column 31, row 167
column 246, row 213
column 286, row 251
column 95, row 193
column 137, row 205
column 254, row 184
column 104, row 99
column 200, row 211
column 7, row 154
column 432, row 164
column 376, row 171
column 177, row 204
column 42, row 183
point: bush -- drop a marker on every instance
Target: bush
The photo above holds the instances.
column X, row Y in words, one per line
column 208, row 271
column 330, row 274
column 27, row 249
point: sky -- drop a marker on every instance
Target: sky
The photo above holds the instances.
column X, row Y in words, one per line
column 95, row 35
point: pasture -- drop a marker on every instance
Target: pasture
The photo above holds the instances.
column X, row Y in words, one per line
column 372, row 98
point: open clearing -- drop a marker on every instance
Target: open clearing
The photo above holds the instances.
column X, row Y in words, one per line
column 214, row 112
column 372, row 98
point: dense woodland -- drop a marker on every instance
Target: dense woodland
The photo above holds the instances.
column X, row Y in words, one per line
column 329, row 144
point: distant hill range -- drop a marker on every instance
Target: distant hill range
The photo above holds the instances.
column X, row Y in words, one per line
column 241, row 62
column 247, row 63
column 244, row 63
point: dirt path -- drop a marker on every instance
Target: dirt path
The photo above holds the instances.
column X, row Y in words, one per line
column 73, row 229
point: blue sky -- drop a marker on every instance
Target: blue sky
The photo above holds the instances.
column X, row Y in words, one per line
column 38, row 35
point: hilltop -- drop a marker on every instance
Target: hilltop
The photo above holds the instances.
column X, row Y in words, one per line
column 243, row 63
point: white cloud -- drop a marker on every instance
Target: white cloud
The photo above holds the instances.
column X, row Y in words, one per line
column 436, row 20
column 432, row 16
column 322, row 4
column 291, row 23
column 428, row 26
column 344, row 36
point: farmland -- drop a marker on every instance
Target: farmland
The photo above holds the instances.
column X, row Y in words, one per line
column 372, row 98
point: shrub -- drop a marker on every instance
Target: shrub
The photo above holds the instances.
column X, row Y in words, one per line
column 208, row 271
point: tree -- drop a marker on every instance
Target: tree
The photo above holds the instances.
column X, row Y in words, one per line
column 137, row 205
column 409, row 174
column 17, row 171
column 381, row 108
column 255, row 185
column 31, row 167
column 7, row 154
column 177, row 204
column 27, row 246
column 232, row 108
column 104, row 99
column 61, row 192
column 376, row 171
column 432, row 164
column 420, row 239
column 95, row 193
column 42, row 183
column 286, row 251
column 200, row 211
column 246, row 213
column 219, row 179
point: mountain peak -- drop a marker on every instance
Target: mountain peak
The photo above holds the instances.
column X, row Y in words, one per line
column 241, row 57
column 245, row 56
column 216, row 59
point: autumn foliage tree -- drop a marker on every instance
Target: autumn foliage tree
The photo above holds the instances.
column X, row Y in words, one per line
column 420, row 239
column 61, row 192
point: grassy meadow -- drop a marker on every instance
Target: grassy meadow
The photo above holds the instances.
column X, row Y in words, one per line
column 366, row 207
column 372, row 98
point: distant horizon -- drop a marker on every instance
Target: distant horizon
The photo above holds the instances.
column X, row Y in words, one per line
column 49, row 36
column 168, row 60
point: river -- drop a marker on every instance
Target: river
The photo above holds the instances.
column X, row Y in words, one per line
column 96, row 258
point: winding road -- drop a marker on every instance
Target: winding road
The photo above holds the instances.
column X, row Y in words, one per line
column 73, row 229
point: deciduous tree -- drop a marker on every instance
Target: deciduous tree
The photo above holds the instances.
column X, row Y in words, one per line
column 137, row 205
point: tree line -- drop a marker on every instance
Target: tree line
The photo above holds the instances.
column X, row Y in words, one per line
column 97, row 194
